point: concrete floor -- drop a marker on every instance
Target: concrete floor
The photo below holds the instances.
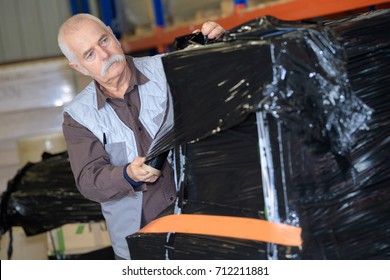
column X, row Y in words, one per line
column 32, row 96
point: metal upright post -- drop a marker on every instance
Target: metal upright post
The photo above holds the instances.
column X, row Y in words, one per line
column 240, row 4
column 159, row 21
column 79, row 6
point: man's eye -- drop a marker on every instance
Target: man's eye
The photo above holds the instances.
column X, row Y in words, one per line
column 89, row 56
column 104, row 41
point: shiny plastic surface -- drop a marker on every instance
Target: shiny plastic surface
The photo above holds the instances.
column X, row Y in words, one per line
column 320, row 94
column 43, row 196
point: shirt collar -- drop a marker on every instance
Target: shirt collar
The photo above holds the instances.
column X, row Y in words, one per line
column 137, row 78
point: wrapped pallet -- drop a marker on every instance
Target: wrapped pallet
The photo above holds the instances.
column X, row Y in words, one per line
column 283, row 122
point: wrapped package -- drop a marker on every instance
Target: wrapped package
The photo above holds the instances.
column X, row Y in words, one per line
column 43, row 196
column 285, row 122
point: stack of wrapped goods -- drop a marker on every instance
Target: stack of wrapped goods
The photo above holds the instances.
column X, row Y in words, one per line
column 285, row 122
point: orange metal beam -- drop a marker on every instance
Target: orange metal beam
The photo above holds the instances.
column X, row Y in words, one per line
column 286, row 10
column 302, row 9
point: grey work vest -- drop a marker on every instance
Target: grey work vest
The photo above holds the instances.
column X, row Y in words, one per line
column 123, row 216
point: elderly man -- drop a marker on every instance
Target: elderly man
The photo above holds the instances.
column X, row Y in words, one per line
column 110, row 125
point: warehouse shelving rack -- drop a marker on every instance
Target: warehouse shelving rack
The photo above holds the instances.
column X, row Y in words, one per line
column 163, row 36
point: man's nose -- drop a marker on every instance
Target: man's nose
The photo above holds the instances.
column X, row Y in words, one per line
column 104, row 53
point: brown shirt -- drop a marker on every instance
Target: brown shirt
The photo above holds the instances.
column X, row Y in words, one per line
column 95, row 177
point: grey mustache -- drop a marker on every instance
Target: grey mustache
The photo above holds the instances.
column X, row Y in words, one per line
column 111, row 61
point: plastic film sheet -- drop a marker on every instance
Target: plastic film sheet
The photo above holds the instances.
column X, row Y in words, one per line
column 300, row 76
column 43, row 196
column 284, row 121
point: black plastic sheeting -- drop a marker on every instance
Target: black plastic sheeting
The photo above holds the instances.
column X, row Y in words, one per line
column 43, row 196
column 299, row 72
column 316, row 156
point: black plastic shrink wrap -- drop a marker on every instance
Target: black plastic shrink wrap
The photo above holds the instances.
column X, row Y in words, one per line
column 43, row 196
column 284, row 121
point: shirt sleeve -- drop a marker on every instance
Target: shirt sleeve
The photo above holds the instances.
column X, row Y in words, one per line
column 95, row 177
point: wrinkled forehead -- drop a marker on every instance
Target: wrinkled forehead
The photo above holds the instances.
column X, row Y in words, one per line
column 85, row 35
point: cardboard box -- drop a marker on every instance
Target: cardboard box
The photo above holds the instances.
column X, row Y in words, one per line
column 80, row 238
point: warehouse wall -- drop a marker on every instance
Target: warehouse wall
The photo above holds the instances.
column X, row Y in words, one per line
column 28, row 29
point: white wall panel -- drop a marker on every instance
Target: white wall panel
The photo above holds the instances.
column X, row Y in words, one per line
column 28, row 28
column 52, row 13
column 31, row 33
column 10, row 31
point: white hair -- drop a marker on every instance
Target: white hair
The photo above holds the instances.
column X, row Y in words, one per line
column 68, row 27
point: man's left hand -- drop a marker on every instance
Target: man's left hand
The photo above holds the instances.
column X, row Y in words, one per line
column 212, row 30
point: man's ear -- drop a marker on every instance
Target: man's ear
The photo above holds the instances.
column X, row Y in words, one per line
column 78, row 68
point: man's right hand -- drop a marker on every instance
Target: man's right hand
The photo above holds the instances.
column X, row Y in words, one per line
column 137, row 173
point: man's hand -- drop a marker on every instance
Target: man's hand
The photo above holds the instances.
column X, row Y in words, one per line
column 138, row 173
column 212, row 30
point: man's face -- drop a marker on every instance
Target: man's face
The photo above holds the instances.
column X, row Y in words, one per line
column 97, row 51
